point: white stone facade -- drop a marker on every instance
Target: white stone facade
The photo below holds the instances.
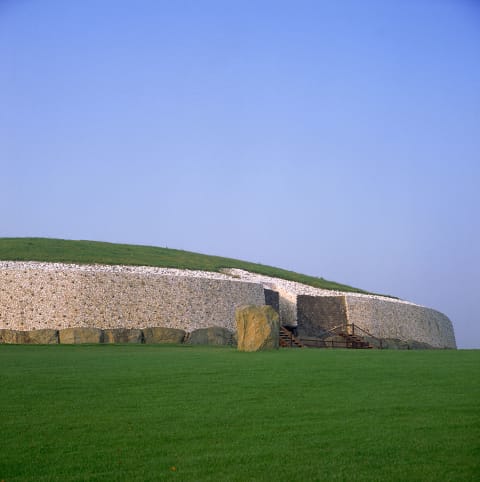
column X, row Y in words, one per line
column 41, row 295
column 387, row 319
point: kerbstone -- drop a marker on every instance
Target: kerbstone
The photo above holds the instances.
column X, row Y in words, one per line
column 159, row 334
column 12, row 337
column 42, row 337
column 80, row 335
column 214, row 335
column 123, row 335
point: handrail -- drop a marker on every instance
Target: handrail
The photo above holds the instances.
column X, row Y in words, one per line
column 354, row 327
column 331, row 330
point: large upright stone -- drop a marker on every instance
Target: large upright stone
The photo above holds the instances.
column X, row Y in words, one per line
column 158, row 334
column 257, row 328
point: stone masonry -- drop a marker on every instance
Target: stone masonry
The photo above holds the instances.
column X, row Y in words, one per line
column 386, row 319
column 40, row 295
column 317, row 314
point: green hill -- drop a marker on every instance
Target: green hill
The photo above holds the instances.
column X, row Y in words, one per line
column 94, row 252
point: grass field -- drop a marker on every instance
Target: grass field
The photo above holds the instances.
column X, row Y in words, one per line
column 87, row 252
column 145, row 413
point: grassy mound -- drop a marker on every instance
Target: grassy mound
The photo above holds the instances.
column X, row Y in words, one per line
column 94, row 252
column 143, row 412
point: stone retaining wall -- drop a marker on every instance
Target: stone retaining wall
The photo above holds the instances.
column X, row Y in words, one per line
column 37, row 297
column 386, row 319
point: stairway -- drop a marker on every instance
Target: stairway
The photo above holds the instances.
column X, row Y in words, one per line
column 287, row 340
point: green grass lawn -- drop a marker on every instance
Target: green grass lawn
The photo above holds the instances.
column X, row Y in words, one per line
column 140, row 412
column 87, row 252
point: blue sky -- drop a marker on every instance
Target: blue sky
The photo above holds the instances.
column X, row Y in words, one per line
column 339, row 139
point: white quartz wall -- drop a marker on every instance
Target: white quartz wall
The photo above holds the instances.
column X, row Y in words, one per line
column 40, row 295
column 388, row 319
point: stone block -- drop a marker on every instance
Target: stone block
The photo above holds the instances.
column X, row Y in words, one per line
column 42, row 337
column 12, row 337
column 159, row 334
column 80, row 335
column 257, row 328
column 214, row 335
column 122, row 335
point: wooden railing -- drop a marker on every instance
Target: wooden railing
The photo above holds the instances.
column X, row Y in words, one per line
column 346, row 328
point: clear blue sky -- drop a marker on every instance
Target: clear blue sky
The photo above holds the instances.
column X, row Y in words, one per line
column 336, row 138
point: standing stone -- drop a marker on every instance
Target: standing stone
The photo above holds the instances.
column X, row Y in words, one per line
column 122, row 335
column 257, row 328
column 80, row 335
column 163, row 335
column 214, row 335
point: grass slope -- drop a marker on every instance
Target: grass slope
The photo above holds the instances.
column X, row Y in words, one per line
column 139, row 412
column 89, row 252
